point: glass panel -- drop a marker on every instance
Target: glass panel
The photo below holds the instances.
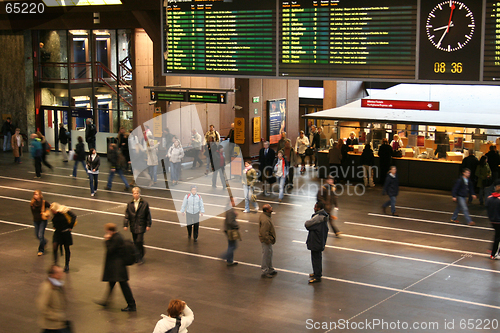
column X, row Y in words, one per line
column 53, row 55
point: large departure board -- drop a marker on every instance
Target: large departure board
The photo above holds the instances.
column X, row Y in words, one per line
column 492, row 42
column 215, row 37
column 348, row 39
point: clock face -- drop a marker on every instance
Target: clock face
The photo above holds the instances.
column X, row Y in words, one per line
column 450, row 26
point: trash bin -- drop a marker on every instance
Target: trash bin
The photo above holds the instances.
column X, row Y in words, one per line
column 110, row 140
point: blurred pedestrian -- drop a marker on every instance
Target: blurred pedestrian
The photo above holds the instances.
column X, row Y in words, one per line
column 63, row 140
column 46, row 150
column 63, row 221
column 483, row 175
column 138, row 219
column 391, row 188
column 266, row 160
column 178, row 315
column 93, row 163
column 36, row 151
column 175, row 155
column 231, row 229
column 219, row 166
column 328, row 198
column 41, row 214
column 192, row 207
column 79, row 156
column 368, row 161
column 118, row 163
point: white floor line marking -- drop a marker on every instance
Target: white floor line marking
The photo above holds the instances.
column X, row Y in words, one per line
column 175, row 190
column 402, row 291
column 404, row 258
column 94, row 199
column 438, row 211
column 429, row 221
column 418, row 232
column 369, row 285
column 110, row 213
column 416, row 245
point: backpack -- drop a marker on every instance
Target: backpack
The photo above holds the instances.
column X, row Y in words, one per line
column 129, row 253
column 177, row 326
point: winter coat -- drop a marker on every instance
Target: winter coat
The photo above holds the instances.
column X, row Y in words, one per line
column 15, row 145
column 51, row 304
column 293, row 159
column 175, row 154
column 250, row 177
column 90, row 132
column 167, row 323
column 63, row 137
column 385, row 154
column 267, row 234
column 301, row 145
column 493, row 160
column 62, row 222
column 318, row 231
column 327, row 196
column 230, row 222
column 36, row 148
column 93, row 164
column 280, row 167
column 192, row 204
column 266, row 160
column 482, row 173
column 152, row 153
column 80, row 152
column 213, row 134
column 115, row 269
column 316, row 141
column 493, row 205
column 367, row 157
column 391, row 186
column 462, row 190
column 137, row 220
column 335, row 155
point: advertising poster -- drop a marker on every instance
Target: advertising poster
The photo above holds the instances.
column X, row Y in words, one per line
column 277, row 119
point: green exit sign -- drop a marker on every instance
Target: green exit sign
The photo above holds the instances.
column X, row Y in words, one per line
column 256, row 99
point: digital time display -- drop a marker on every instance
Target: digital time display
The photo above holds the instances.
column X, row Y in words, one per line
column 450, row 40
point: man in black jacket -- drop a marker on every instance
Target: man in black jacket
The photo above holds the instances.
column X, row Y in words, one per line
column 316, row 240
column 63, row 139
column 464, row 187
column 118, row 163
column 90, row 132
column 493, row 161
column 315, row 144
column 266, row 160
column 391, row 188
column 385, row 158
column 493, row 205
column 138, row 218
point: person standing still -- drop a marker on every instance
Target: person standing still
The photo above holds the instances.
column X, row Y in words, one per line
column 63, row 140
column 90, row 133
column 316, row 240
column 493, row 161
column 17, row 146
column 7, row 133
column 267, row 237
column 461, row 190
column 192, row 207
column 93, row 163
column 249, row 178
column 266, row 160
column 175, row 155
column 391, row 188
column 51, row 303
column 385, row 158
column 230, row 224
column 493, row 205
column 115, row 269
column 178, row 315
column 138, row 218
column 368, row 161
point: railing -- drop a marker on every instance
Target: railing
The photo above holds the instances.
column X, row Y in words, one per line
column 124, row 70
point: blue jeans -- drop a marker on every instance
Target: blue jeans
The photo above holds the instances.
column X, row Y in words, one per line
column 175, row 171
column 93, row 182
column 112, row 175
column 229, row 255
column 281, row 183
column 248, row 192
column 76, row 164
column 392, row 203
column 40, row 233
column 153, row 171
column 6, row 141
column 461, row 205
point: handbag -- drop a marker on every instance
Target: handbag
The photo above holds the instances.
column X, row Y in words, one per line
column 309, row 151
column 233, row 234
column 45, row 213
column 72, row 155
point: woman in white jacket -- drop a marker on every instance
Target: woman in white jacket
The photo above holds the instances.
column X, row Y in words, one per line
column 175, row 154
column 300, row 147
column 152, row 154
column 178, row 314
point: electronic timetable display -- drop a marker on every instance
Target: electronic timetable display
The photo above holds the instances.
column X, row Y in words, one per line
column 448, row 41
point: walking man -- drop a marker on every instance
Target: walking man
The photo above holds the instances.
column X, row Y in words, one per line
column 115, row 269
column 267, row 237
column 493, row 205
column 63, row 139
column 138, row 218
column 316, row 240
column 51, row 302
column 460, row 193
column 391, row 188
column 328, row 198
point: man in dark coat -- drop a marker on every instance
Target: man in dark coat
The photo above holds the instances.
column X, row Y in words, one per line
column 385, row 159
column 115, row 269
column 316, row 240
column 90, row 132
column 328, row 198
column 493, row 161
column 138, row 218
column 463, row 188
column 493, row 205
column 391, row 188
column 266, row 160
column 63, row 139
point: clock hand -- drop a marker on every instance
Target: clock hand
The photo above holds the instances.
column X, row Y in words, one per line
column 444, row 27
column 451, row 16
column 440, row 40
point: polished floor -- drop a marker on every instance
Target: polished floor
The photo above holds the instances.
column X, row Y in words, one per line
column 417, row 269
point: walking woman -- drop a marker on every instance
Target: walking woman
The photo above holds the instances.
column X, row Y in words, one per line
column 300, row 147
column 79, row 156
column 41, row 213
column 93, row 163
column 175, row 154
column 46, row 150
column 64, row 220
column 192, row 206
column 17, row 146
column 281, row 172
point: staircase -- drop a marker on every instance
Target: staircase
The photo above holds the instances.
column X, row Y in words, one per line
column 106, row 76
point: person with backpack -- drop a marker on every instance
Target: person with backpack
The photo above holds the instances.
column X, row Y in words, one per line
column 192, row 207
column 63, row 221
column 138, row 218
column 117, row 161
column 179, row 317
column 36, row 153
column 79, row 156
column 115, row 269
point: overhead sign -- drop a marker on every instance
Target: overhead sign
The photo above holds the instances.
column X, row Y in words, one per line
column 193, row 97
column 171, row 96
column 239, row 131
column 392, row 104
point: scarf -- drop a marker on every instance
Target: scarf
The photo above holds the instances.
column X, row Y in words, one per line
column 247, row 169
